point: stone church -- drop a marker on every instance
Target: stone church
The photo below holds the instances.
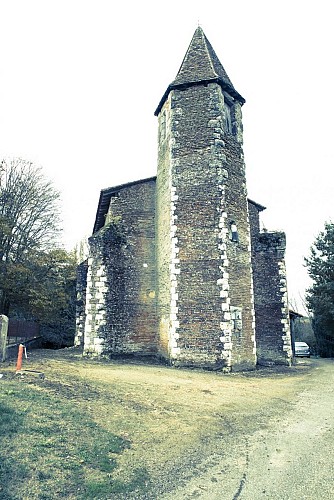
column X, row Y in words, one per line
column 178, row 267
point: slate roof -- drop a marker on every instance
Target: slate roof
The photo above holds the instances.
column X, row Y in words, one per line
column 201, row 65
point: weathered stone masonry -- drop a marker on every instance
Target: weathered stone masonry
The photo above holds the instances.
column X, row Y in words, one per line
column 120, row 313
column 271, row 297
column 202, row 170
column 178, row 267
column 81, row 290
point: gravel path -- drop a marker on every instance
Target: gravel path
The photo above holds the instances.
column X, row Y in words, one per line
column 292, row 458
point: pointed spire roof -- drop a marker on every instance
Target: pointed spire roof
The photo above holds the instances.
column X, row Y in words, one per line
column 201, row 65
column 200, row 62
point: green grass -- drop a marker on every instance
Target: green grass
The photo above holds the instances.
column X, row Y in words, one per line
column 51, row 448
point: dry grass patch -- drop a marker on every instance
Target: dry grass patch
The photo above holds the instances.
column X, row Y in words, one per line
column 112, row 430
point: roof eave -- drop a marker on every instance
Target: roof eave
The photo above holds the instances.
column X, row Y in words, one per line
column 181, row 86
column 258, row 206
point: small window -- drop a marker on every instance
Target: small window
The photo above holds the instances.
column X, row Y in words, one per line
column 236, row 321
column 234, row 236
column 228, row 118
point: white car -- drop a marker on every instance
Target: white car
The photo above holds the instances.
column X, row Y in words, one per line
column 302, row 349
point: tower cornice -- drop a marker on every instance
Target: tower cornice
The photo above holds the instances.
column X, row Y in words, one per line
column 181, row 86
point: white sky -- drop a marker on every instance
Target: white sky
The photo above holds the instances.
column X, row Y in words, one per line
column 80, row 80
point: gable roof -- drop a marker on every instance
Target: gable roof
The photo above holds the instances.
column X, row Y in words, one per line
column 259, row 207
column 201, row 66
column 104, row 200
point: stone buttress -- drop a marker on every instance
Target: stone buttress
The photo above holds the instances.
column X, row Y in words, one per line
column 273, row 335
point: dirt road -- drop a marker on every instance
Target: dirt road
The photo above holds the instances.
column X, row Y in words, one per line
column 292, row 458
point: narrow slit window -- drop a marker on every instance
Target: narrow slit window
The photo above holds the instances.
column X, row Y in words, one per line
column 234, row 236
column 228, row 118
column 236, row 321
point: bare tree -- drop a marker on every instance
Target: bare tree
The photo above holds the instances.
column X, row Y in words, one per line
column 29, row 215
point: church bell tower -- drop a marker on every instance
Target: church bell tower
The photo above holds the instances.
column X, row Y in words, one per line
column 205, row 301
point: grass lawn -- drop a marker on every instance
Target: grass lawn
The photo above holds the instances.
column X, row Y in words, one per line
column 104, row 430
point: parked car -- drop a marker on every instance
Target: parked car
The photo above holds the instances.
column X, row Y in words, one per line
column 302, row 349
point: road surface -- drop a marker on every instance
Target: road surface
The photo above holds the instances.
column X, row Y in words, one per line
column 291, row 459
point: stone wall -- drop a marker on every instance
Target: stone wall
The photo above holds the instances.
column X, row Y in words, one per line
column 201, row 182
column 273, row 339
column 121, row 289
column 166, row 241
column 96, row 292
column 81, row 289
column 239, row 251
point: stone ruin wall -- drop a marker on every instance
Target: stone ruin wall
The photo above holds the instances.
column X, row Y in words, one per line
column 273, row 337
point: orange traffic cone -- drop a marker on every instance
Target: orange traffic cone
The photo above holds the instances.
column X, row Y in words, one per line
column 19, row 358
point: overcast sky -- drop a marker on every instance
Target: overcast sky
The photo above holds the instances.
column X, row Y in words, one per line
column 80, row 80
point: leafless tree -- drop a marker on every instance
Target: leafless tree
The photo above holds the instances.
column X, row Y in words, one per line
column 29, row 214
